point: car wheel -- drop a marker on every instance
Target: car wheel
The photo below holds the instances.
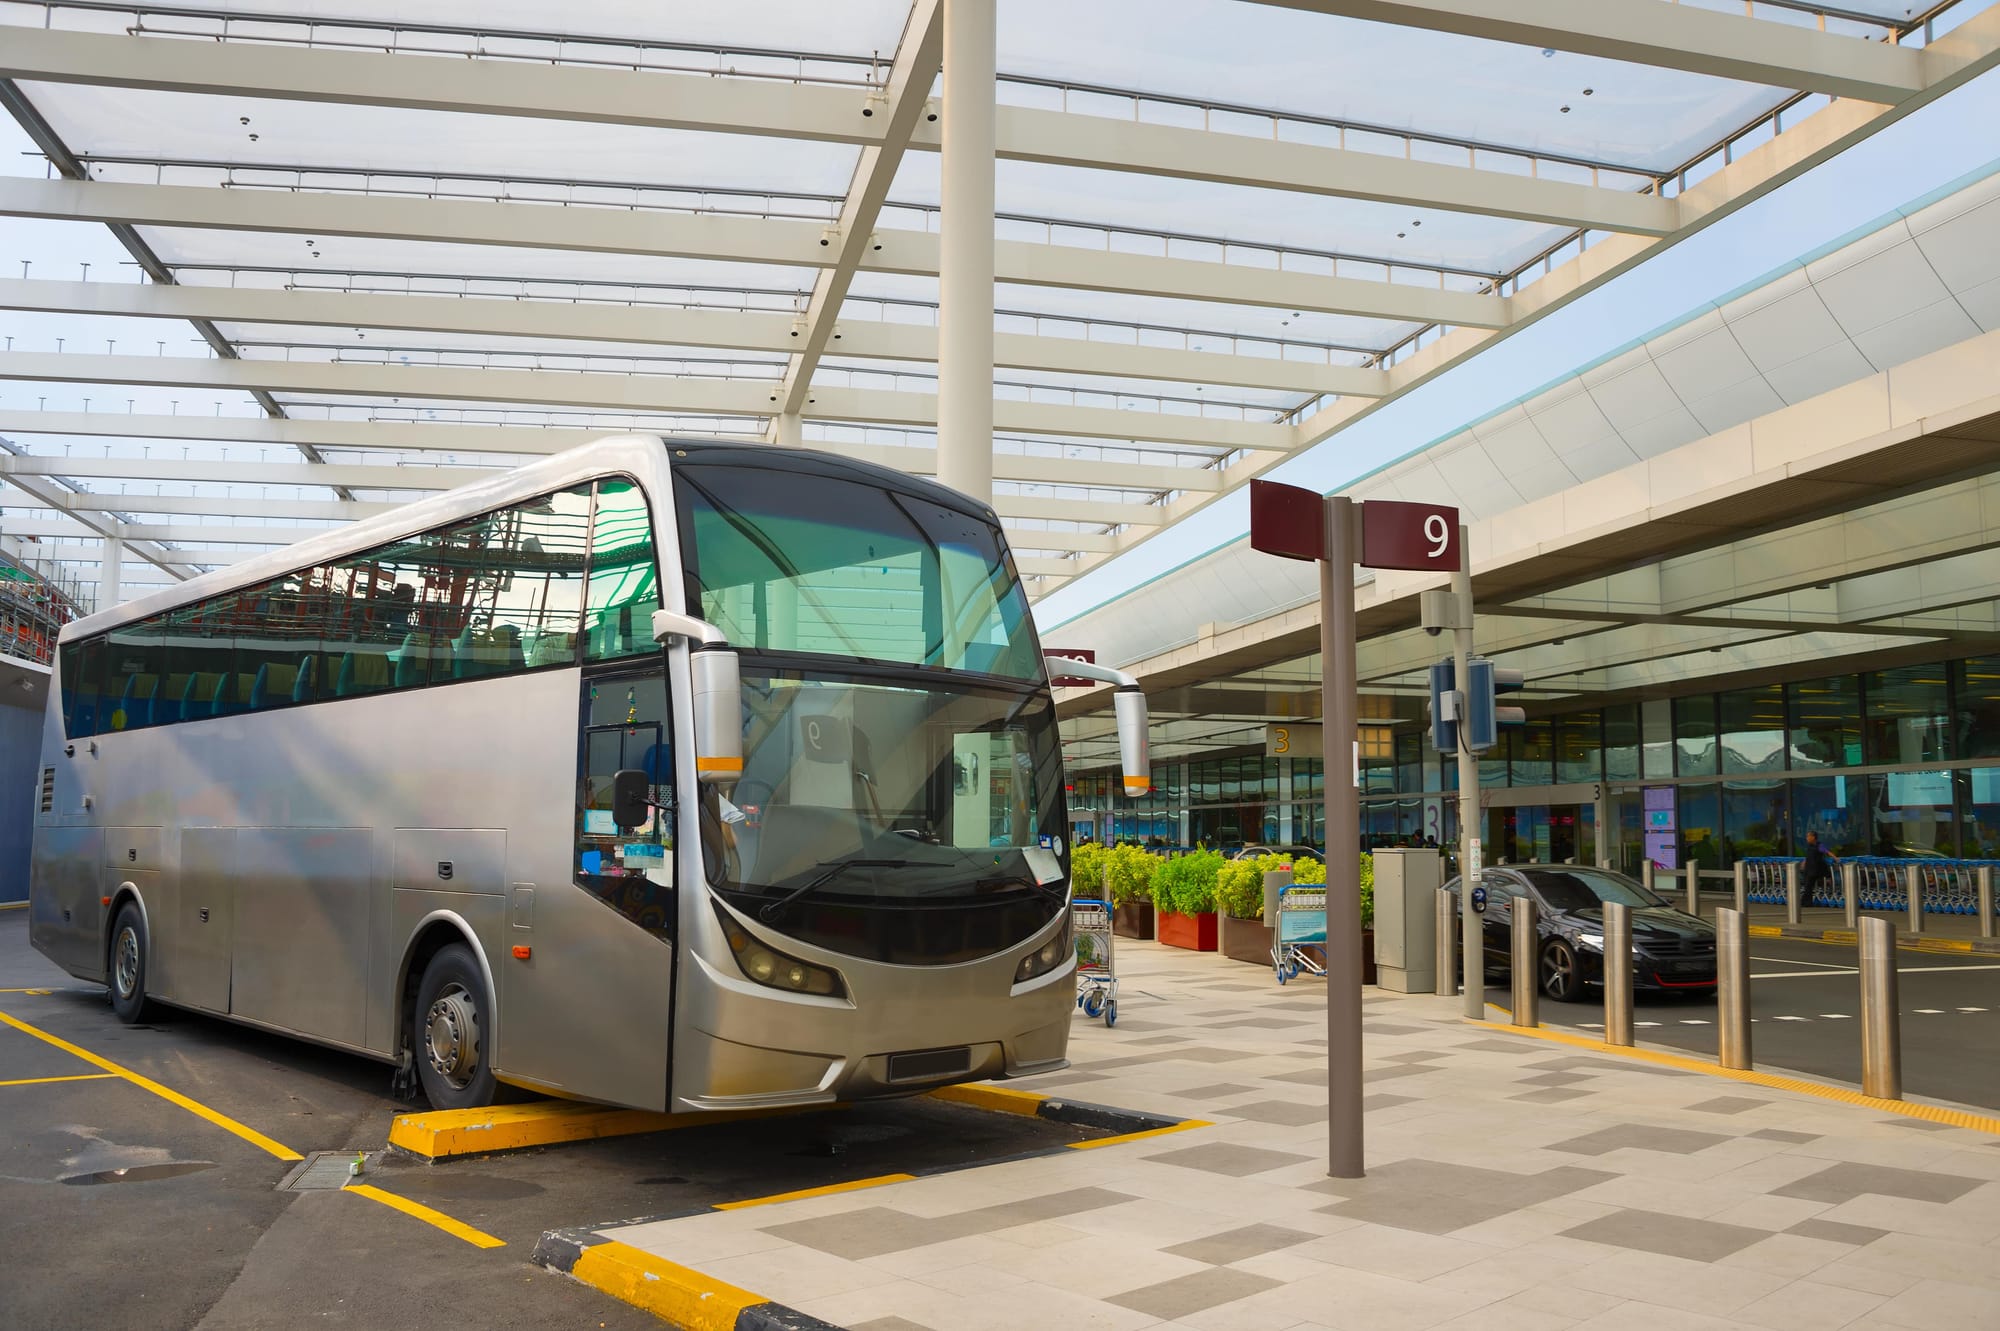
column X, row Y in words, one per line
column 452, row 1032
column 129, row 949
column 1560, row 979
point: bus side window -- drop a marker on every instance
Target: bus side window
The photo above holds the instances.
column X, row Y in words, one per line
column 624, row 585
column 132, row 679
column 277, row 634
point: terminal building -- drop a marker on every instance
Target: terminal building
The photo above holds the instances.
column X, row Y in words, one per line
column 1747, row 564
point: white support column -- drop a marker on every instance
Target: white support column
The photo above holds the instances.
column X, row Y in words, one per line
column 788, row 429
column 107, row 573
column 965, row 268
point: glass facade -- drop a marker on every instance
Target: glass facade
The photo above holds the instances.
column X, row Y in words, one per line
column 1751, row 770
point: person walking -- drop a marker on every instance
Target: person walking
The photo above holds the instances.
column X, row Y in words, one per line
column 1817, row 868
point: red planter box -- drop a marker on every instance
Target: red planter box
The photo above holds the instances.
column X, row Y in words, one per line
column 1194, row 932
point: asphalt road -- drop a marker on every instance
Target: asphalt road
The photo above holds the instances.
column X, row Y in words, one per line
column 122, row 1209
column 1805, row 1002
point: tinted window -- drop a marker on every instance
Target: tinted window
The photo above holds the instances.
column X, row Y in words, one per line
column 1585, row 889
column 134, row 662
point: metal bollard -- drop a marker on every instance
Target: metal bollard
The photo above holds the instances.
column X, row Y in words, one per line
column 1732, row 974
column 1447, row 944
column 1792, row 900
column 1742, row 887
column 1985, row 901
column 1646, row 873
column 1527, row 958
column 1617, row 973
column 1881, row 1032
column 1694, row 889
column 1850, row 893
column 1913, row 891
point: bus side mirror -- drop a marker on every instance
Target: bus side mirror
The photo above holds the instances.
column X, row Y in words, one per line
column 631, row 798
column 1129, row 705
column 718, row 696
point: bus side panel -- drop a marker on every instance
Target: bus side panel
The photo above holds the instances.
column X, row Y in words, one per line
column 65, row 921
column 591, row 1011
column 299, row 957
column 203, row 922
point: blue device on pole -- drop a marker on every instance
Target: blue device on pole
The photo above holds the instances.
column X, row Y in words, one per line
column 1483, row 718
column 1444, row 730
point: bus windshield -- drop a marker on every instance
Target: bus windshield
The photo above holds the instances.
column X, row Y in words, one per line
column 805, row 561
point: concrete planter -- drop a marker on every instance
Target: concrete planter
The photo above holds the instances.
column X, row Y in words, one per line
column 1133, row 919
column 1193, row 932
column 1246, row 940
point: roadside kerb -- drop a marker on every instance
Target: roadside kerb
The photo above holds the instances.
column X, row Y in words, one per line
column 1904, row 942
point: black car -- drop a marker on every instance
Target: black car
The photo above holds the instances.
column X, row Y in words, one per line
column 1672, row 951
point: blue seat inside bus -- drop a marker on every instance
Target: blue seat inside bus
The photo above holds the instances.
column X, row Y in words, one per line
column 361, row 672
column 274, row 685
column 137, row 700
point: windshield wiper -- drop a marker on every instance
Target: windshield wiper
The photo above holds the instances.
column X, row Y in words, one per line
column 772, row 909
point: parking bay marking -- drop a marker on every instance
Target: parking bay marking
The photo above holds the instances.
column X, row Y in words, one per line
column 248, row 1134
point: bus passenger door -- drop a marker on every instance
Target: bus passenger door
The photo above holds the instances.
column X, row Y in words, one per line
column 590, row 1010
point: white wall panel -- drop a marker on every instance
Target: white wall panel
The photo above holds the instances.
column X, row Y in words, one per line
column 1918, row 333
column 1884, row 288
column 1818, row 372
column 1744, row 400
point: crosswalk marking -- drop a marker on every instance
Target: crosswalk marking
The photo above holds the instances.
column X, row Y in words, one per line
column 1790, row 1018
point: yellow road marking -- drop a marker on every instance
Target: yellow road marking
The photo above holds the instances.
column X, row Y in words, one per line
column 992, row 1097
column 1956, row 1118
column 199, row 1110
column 43, row 1081
column 829, row 1190
column 26, row 991
column 676, row 1294
column 1848, row 938
column 456, row 1229
column 13, row 905
column 1124, row 1137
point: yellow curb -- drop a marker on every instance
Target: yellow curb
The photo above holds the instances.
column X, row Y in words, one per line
column 13, row 905
column 441, row 1134
column 1124, row 1137
column 679, row 1296
column 457, row 1229
column 992, row 1097
column 44, row 1081
column 829, row 1190
column 1957, row 1118
column 1849, row 938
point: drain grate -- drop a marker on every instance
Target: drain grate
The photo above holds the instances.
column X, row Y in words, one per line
column 319, row 1171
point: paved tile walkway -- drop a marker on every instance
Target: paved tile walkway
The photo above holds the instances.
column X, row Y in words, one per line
column 1513, row 1185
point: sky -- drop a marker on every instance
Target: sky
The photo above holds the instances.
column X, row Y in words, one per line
column 1926, row 149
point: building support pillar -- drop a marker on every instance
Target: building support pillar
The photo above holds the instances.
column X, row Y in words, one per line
column 965, row 243
column 107, row 572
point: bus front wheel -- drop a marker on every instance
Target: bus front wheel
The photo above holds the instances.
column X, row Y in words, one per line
column 128, row 965
column 451, row 1035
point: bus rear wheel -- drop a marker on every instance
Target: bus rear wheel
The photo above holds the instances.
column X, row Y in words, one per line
column 451, row 1032
column 128, row 965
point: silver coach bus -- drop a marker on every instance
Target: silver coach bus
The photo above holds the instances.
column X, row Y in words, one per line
column 666, row 774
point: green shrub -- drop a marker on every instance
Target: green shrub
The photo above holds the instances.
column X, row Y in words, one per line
column 1185, row 885
column 1086, row 869
column 1239, row 890
column 1132, row 873
column 1367, row 891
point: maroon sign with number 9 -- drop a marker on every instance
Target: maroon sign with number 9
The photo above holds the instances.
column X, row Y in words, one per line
column 1415, row 536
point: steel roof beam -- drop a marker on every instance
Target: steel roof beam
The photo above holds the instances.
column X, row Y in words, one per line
column 667, row 326
column 541, row 440
column 1670, row 36
column 627, row 392
column 56, row 528
column 803, row 111
column 918, row 61
column 728, row 239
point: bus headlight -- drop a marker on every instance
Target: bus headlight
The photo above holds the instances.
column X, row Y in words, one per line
column 772, row 968
column 1046, row 957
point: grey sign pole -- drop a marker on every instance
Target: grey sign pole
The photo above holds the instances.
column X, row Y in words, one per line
column 1470, row 930
column 1985, row 890
column 1339, row 684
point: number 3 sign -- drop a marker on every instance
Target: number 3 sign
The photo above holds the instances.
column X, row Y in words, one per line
column 1414, row 536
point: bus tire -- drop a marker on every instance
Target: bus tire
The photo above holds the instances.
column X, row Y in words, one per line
column 127, row 978
column 451, row 1031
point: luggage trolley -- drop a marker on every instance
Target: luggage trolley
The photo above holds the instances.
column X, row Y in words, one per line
column 1301, row 929
column 1096, row 981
